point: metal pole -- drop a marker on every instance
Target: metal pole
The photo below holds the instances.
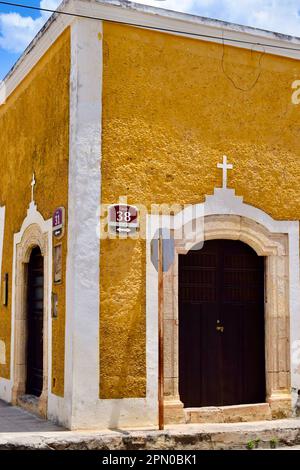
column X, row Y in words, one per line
column 160, row 336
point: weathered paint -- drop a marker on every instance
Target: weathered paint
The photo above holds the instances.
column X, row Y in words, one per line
column 172, row 107
column 34, row 137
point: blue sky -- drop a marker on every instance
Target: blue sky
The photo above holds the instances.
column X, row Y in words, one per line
column 19, row 26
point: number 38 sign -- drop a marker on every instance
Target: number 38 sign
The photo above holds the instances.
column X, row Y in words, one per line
column 122, row 218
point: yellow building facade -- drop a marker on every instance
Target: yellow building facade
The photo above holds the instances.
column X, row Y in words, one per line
column 102, row 112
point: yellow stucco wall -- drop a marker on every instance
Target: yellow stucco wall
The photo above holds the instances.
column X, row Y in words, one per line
column 172, row 107
column 34, row 137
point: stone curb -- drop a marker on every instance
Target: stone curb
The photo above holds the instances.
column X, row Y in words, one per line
column 235, row 437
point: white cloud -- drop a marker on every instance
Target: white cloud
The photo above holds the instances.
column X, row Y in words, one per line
column 16, row 31
column 179, row 5
column 275, row 15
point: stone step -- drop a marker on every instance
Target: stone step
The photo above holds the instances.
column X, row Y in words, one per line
column 229, row 414
column 288, row 448
column 258, row 435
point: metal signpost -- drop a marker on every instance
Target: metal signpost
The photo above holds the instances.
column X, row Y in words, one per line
column 162, row 256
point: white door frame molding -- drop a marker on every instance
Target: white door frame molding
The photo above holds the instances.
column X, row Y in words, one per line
column 226, row 216
column 2, row 222
column 35, row 231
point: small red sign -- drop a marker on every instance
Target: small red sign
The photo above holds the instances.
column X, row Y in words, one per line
column 122, row 218
column 58, row 222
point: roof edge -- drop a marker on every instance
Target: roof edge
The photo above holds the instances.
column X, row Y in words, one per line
column 139, row 15
column 198, row 19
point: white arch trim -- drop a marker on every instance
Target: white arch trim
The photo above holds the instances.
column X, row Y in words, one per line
column 35, row 230
column 222, row 202
column 2, row 222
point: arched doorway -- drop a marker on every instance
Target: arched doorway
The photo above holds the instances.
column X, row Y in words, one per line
column 35, row 319
column 221, row 325
column 31, row 332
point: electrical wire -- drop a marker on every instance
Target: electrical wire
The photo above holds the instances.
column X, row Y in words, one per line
column 152, row 28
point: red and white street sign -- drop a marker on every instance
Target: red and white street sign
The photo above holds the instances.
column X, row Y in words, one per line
column 58, row 222
column 122, row 219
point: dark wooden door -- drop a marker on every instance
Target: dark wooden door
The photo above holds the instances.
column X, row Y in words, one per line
column 35, row 316
column 221, row 325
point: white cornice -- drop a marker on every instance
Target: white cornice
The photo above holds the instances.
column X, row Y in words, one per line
column 137, row 14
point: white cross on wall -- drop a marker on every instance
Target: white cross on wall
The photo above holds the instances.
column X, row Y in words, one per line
column 32, row 188
column 224, row 166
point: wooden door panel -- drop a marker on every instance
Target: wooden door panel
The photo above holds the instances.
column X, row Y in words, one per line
column 231, row 352
column 35, row 318
column 221, row 285
column 198, row 346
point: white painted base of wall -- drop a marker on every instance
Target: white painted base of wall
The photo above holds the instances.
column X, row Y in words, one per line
column 58, row 410
column 116, row 414
column 5, row 390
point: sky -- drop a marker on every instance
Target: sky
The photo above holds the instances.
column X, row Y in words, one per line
column 18, row 26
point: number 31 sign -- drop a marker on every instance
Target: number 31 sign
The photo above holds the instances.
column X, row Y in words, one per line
column 122, row 218
column 58, row 222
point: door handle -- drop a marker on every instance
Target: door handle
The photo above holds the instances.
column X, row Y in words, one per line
column 219, row 327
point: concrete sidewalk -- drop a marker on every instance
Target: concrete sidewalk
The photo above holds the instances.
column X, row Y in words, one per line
column 21, row 430
column 14, row 420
